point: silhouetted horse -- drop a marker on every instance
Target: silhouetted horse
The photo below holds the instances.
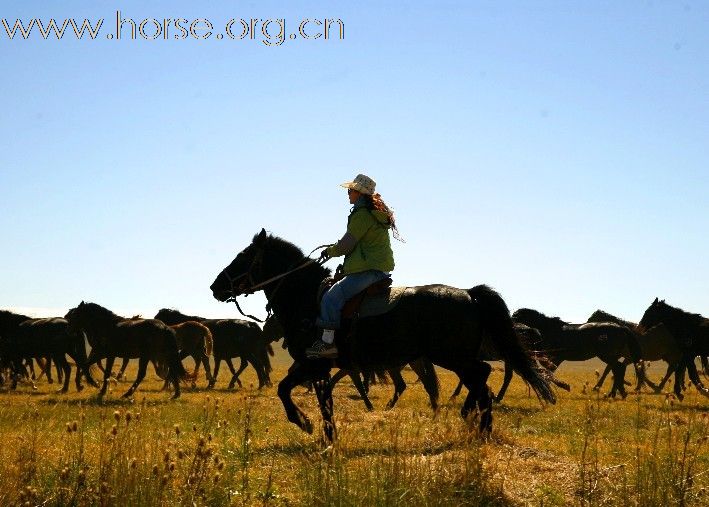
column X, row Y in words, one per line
column 531, row 339
column 423, row 368
column 144, row 339
column 691, row 331
column 443, row 324
column 194, row 340
column 656, row 343
column 24, row 337
column 232, row 338
column 562, row 341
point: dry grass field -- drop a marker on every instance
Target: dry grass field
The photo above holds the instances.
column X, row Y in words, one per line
column 236, row 448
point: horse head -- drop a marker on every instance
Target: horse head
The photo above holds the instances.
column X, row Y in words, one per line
column 654, row 314
column 243, row 272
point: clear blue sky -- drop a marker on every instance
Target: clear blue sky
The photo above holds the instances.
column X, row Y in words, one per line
column 554, row 150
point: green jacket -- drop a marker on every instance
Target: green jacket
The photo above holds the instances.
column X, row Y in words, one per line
column 369, row 231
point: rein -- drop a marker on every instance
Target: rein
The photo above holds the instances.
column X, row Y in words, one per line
column 254, row 288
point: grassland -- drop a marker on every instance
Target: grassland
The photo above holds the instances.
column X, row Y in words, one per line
column 236, row 448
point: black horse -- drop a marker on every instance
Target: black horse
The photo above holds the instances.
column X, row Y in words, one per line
column 532, row 340
column 562, row 341
column 443, row 324
column 691, row 331
column 232, row 338
column 145, row 339
column 27, row 338
column 423, row 368
column 656, row 343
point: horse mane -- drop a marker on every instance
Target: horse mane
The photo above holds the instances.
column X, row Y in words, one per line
column 677, row 314
column 601, row 316
column 102, row 312
column 288, row 253
column 537, row 316
column 7, row 314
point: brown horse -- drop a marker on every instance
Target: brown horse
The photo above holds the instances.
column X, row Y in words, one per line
column 194, row 340
column 656, row 343
column 691, row 331
column 562, row 341
column 24, row 337
column 113, row 336
column 232, row 338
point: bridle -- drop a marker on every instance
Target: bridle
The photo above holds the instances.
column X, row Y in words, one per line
column 253, row 287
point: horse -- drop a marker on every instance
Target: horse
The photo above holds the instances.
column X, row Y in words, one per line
column 562, row 341
column 115, row 336
column 231, row 338
column 691, row 331
column 193, row 340
column 656, row 343
column 29, row 338
column 424, row 370
column 443, row 324
column 531, row 338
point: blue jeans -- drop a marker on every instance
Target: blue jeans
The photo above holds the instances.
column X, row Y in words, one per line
column 336, row 297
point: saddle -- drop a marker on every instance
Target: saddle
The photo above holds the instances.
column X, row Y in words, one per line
column 378, row 298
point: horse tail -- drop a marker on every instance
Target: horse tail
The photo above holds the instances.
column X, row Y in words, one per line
column 631, row 340
column 265, row 352
column 208, row 340
column 497, row 323
column 172, row 357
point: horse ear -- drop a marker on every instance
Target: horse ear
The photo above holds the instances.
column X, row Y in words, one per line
column 261, row 238
column 655, row 302
column 82, row 303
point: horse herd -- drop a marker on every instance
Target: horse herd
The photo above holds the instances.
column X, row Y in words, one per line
column 163, row 341
column 457, row 329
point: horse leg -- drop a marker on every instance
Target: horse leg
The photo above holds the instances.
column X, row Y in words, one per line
column 106, row 375
column 142, row 368
column 30, row 365
column 124, row 365
column 323, row 391
column 694, row 377
column 705, row 365
column 59, row 371
column 475, row 376
column 505, row 383
column 458, row 389
column 337, row 377
column 217, row 362
column 184, row 354
column 295, row 376
column 357, row 381
column 399, row 387
column 205, row 360
column 619, row 374
column 61, row 362
column 671, row 367
column 427, row 375
column 235, row 374
column 599, row 384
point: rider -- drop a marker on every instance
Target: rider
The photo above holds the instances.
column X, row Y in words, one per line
column 368, row 258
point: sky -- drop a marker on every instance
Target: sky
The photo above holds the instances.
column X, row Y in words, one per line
column 554, row 150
